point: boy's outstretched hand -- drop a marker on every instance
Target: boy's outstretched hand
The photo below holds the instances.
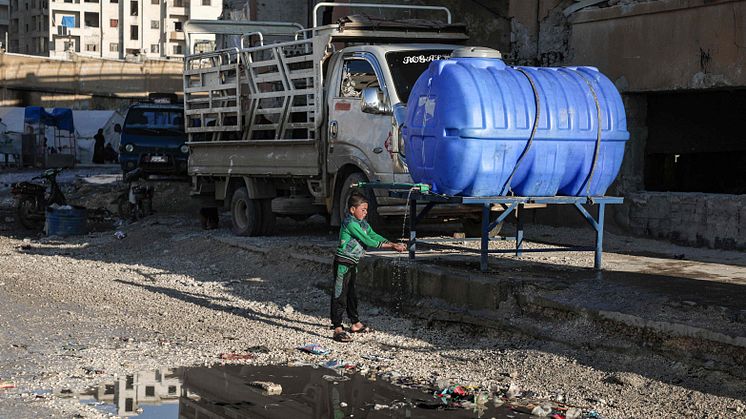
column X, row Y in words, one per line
column 400, row 247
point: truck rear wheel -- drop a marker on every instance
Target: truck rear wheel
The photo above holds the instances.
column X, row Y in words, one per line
column 246, row 213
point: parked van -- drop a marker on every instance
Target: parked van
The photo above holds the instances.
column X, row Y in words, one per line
column 153, row 137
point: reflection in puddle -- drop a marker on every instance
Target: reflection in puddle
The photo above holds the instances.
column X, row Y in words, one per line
column 237, row 391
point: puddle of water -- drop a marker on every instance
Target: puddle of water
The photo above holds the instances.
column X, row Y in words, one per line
column 227, row 392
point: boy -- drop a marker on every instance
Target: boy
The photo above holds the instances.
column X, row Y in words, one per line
column 354, row 236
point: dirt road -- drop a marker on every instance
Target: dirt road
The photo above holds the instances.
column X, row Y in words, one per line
column 78, row 312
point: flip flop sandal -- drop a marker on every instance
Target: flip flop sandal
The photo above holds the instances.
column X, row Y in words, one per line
column 364, row 329
column 342, row 337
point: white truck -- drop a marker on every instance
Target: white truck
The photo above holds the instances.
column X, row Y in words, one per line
column 286, row 128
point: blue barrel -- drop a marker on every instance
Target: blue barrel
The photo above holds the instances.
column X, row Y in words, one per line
column 470, row 120
column 66, row 221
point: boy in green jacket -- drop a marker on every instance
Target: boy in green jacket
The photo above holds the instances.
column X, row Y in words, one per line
column 355, row 236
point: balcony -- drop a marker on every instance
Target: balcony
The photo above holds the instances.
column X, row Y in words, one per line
column 176, row 36
column 178, row 11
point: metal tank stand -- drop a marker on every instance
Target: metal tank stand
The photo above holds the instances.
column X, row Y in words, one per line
column 421, row 194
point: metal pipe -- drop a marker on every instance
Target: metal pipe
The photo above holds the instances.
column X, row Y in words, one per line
column 382, row 6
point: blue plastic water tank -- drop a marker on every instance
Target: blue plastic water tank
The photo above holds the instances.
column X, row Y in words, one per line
column 66, row 221
column 469, row 121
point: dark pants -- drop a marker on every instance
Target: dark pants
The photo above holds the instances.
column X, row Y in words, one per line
column 344, row 297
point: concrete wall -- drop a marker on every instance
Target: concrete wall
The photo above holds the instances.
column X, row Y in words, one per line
column 644, row 47
column 665, row 44
column 85, row 83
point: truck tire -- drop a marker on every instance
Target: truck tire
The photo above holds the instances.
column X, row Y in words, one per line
column 268, row 217
column 245, row 214
column 344, row 195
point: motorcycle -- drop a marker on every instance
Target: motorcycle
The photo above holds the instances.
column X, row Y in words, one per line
column 32, row 199
column 136, row 201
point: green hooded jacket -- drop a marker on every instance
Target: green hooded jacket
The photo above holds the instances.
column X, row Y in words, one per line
column 354, row 237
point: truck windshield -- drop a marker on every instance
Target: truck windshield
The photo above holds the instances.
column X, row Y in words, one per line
column 407, row 66
column 154, row 121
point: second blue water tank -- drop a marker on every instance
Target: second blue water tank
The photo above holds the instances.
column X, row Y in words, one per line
column 469, row 121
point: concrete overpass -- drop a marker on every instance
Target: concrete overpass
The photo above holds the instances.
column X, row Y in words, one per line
column 83, row 83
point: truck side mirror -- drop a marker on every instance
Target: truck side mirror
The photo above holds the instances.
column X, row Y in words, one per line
column 117, row 128
column 372, row 102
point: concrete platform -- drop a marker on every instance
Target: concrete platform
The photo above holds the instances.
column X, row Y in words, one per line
column 692, row 310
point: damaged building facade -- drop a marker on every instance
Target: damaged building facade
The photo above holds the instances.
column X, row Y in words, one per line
column 679, row 65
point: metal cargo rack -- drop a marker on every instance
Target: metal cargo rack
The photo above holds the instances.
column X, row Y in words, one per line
column 422, row 194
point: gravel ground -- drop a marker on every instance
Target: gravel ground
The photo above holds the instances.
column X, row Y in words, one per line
column 171, row 295
column 81, row 311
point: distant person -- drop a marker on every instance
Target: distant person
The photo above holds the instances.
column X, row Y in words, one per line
column 110, row 156
column 98, row 147
column 355, row 236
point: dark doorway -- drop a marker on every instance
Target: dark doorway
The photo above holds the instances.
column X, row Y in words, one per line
column 696, row 142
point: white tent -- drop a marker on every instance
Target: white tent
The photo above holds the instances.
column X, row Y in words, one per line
column 86, row 122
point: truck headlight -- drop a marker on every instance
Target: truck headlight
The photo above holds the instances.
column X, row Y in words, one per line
column 129, row 148
column 184, row 148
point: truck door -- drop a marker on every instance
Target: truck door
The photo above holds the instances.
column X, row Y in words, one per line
column 354, row 136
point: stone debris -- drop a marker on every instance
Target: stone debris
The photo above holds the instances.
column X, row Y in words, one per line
column 268, row 388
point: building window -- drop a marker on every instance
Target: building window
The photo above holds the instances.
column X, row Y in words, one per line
column 155, row 48
column 91, row 19
column 205, row 2
column 154, row 24
column 114, row 23
column 177, row 49
column 171, row 390
column 178, row 26
column 134, row 32
column 155, row 1
column 133, row 8
column 113, row 1
column 113, row 47
column 149, row 391
column 91, row 47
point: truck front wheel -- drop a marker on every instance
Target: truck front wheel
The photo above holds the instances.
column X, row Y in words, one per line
column 245, row 213
column 344, row 195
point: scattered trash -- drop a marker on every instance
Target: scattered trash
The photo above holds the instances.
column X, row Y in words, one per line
column 542, row 411
column 233, row 356
column 336, row 378
column 338, row 363
column 267, row 387
column 380, row 406
column 342, row 404
column 573, row 413
column 314, row 348
column 296, row 363
column 7, row 384
column 513, row 391
column 119, row 234
column 288, row 309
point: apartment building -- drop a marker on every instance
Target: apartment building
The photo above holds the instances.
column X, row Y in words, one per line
column 106, row 28
column 4, row 22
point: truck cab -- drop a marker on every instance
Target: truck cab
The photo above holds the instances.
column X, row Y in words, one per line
column 153, row 139
column 286, row 128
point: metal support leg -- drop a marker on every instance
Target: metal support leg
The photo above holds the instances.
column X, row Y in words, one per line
column 599, row 236
column 412, row 228
column 485, row 237
column 519, row 231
